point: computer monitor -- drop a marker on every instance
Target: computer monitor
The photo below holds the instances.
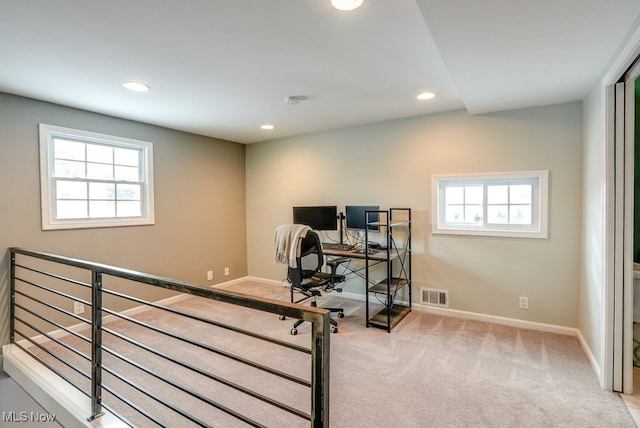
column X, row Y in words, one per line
column 355, row 217
column 318, row 217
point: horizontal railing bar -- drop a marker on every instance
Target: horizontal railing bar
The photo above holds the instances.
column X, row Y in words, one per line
column 308, row 313
column 177, row 386
column 52, row 306
column 211, row 322
column 52, row 290
column 202, row 346
column 115, row 412
column 54, row 356
column 53, row 275
column 131, row 405
column 211, row 376
column 57, row 325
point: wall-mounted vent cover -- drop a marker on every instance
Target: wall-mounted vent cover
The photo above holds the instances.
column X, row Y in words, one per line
column 434, row 297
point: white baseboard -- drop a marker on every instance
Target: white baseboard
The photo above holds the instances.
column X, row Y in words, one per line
column 530, row 325
column 70, row 406
column 590, row 356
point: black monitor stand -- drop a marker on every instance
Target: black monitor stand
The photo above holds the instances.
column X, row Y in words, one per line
column 340, row 218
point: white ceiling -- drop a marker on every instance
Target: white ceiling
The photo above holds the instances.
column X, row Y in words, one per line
column 222, row 68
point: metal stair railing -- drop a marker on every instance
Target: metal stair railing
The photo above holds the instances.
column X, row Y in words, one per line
column 96, row 357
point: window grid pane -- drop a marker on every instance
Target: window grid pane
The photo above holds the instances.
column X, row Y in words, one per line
column 71, row 190
column 99, row 153
column 464, row 204
column 498, row 194
column 520, row 214
column 454, row 213
column 69, row 150
column 129, row 208
column 69, row 169
column 473, row 214
column 473, row 195
column 126, row 173
column 510, row 204
column 127, row 157
column 98, row 171
column 102, row 209
column 498, row 214
column 520, row 194
column 71, row 209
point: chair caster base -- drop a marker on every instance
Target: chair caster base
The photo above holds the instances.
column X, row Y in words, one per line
column 340, row 314
column 282, row 317
column 294, row 331
column 333, row 329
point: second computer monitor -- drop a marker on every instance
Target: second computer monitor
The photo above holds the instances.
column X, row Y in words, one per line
column 355, row 217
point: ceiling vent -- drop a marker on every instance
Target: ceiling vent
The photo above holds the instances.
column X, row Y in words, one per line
column 295, row 99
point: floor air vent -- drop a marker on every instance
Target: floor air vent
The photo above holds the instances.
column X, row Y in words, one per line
column 434, row 297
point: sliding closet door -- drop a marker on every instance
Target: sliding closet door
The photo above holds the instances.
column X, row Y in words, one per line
column 618, row 250
column 624, row 232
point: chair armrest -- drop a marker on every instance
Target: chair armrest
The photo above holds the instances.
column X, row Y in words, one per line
column 338, row 261
column 333, row 264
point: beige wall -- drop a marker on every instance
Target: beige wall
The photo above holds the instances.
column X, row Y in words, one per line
column 199, row 200
column 594, row 267
column 391, row 164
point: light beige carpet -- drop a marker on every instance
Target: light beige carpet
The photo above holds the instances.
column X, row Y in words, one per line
column 430, row 371
column 435, row 371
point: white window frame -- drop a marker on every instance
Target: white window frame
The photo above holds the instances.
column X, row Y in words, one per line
column 539, row 227
column 48, row 195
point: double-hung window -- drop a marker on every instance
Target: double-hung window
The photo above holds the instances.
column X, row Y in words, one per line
column 502, row 204
column 94, row 180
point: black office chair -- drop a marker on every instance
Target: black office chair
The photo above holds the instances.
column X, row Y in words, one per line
column 307, row 279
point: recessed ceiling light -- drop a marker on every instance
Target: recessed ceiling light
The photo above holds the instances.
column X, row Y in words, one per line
column 267, row 127
column 346, row 4
column 426, row 96
column 136, row 86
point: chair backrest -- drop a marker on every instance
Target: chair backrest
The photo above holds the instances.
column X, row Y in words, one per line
column 310, row 261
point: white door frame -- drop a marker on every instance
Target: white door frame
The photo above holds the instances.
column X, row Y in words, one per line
column 619, row 247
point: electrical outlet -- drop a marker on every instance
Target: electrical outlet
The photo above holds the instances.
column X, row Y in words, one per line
column 524, row 303
column 209, row 275
column 226, row 271
column 78, row 308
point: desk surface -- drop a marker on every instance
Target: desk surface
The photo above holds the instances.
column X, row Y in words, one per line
column 377, row 255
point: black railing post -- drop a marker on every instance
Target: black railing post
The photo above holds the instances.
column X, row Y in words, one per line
column 320, row 372
column 96, row 345
column 12, row 295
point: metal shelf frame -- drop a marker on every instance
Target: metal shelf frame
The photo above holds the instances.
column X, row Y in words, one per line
column 395, row 224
